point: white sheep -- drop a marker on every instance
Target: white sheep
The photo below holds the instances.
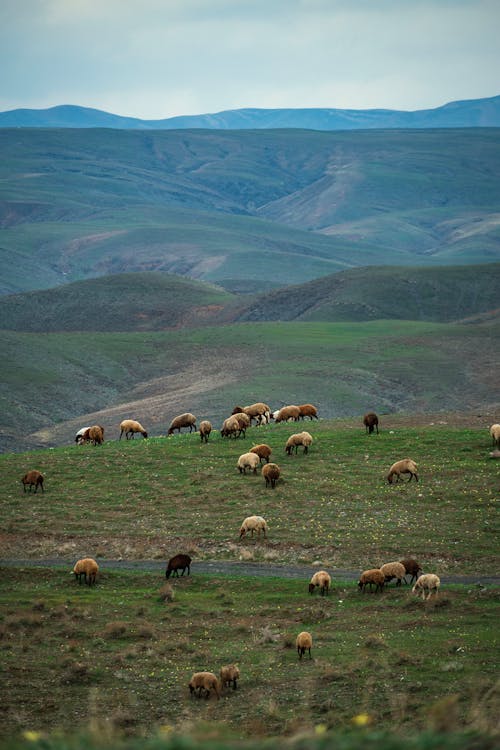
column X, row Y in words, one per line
column 393, row 570
column 129, row 427
column 304, row 643
column 495, row 434
column 229, row 675
column 405, row 466
column 204, row 682
column 86, row 568
column 253, row 523
column 248, row 461
column 428, row 582
column 80, row 436
column 300, row 438
column 321, row 579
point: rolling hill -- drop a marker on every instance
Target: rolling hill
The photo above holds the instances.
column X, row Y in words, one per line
column 459, row 114
column 245, row 209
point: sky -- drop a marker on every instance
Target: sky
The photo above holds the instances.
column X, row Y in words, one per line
column 154, row 59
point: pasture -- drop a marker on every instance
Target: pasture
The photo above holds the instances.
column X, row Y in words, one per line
column 114, row 660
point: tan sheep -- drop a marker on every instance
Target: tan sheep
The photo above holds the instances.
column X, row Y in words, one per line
column 271, row 473
column 258, row 411
column 300, row 438
column 321, row 579
column 205, row 430
column 308, row 410
column 231, row 427
column 183, row 420
column 304, row 643
column 429, row 582
column 229, row 676
column 248, row 461
column 405, row 466
column 129, row 427
column 393, row 570
column 253, row 523
column 288, row 412
column 95, row 434
column 495, row 434
column 86, row 568
column 262, row 450
column 204, row 683
column 243, row 421
column 34, row 479
column 374, row 576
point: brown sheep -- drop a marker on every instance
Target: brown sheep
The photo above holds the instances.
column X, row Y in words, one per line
column 176, row 563
column 372, row 576
column 271, row 473
column 288, row 412
column 229, row 675
column 183, row 420
column 86, row 568
column 412, row 567
column 405, row 466
column 370, row 421
column 308, row 410
column 263, row 451
column 96, row 434
column 34, row 479
column 204, row 682
column 205, row 430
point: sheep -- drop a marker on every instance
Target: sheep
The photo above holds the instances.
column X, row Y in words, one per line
column 308, row 410
column 129, row 427
column 243, row 421
column 322, row 579
column 183, row 420
column 304, row 643
column 176, row 563
column 257, row 411
column 204, row 682
column 271, row 473
column 81, row 435
column 86, row 568
column 248, row 461
column 262, row 450
column 288, row 412
column 372, row 576
column 34, row 479
column 495, row 434
column 300, row 438
column 428, row 582
column 205, row 430
column 393, row 570
column 229, row 675
column 370, row 421
column 253, row 523
column 405, row 466
column 232, row 427
column 412, row 567
column 96, row 434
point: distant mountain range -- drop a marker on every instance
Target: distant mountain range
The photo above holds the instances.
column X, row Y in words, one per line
column 461, row 114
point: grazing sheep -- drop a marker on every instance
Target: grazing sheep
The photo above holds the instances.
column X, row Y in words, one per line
column 96, row 434
column 304, row 643
column 495, row 434
column 251, row 524
column 262, row 450
column 393, row 570
column 412, row 567
column 243, row 420
column 229, row 675
column 405, row 466
column 34, row 479
column 81, row 435
column 428, row 582
column 308, row 410
column 204, row 682
column 322, row 579
column 370, row 421
column 300, row 438
column 237, row 410
column 129, row 427
column 176, row 563
column 183, row 420
column 258, row 411
column 205, row 430
column 271, row 473
column 372, row 576
column 86, row 568
column 288, row 412
column 248, row 461
column 231, row 427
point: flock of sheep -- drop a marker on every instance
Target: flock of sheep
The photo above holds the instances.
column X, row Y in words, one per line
column 206, row 683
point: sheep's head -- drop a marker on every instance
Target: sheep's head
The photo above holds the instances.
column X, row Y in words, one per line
column 389, row 478
column 311, row 588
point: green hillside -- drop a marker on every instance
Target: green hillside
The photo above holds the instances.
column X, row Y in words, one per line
column 272, row 207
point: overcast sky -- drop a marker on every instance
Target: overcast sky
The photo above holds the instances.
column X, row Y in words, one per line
column 159, row 58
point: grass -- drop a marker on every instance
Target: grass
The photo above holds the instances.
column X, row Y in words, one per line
column 150, row 498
